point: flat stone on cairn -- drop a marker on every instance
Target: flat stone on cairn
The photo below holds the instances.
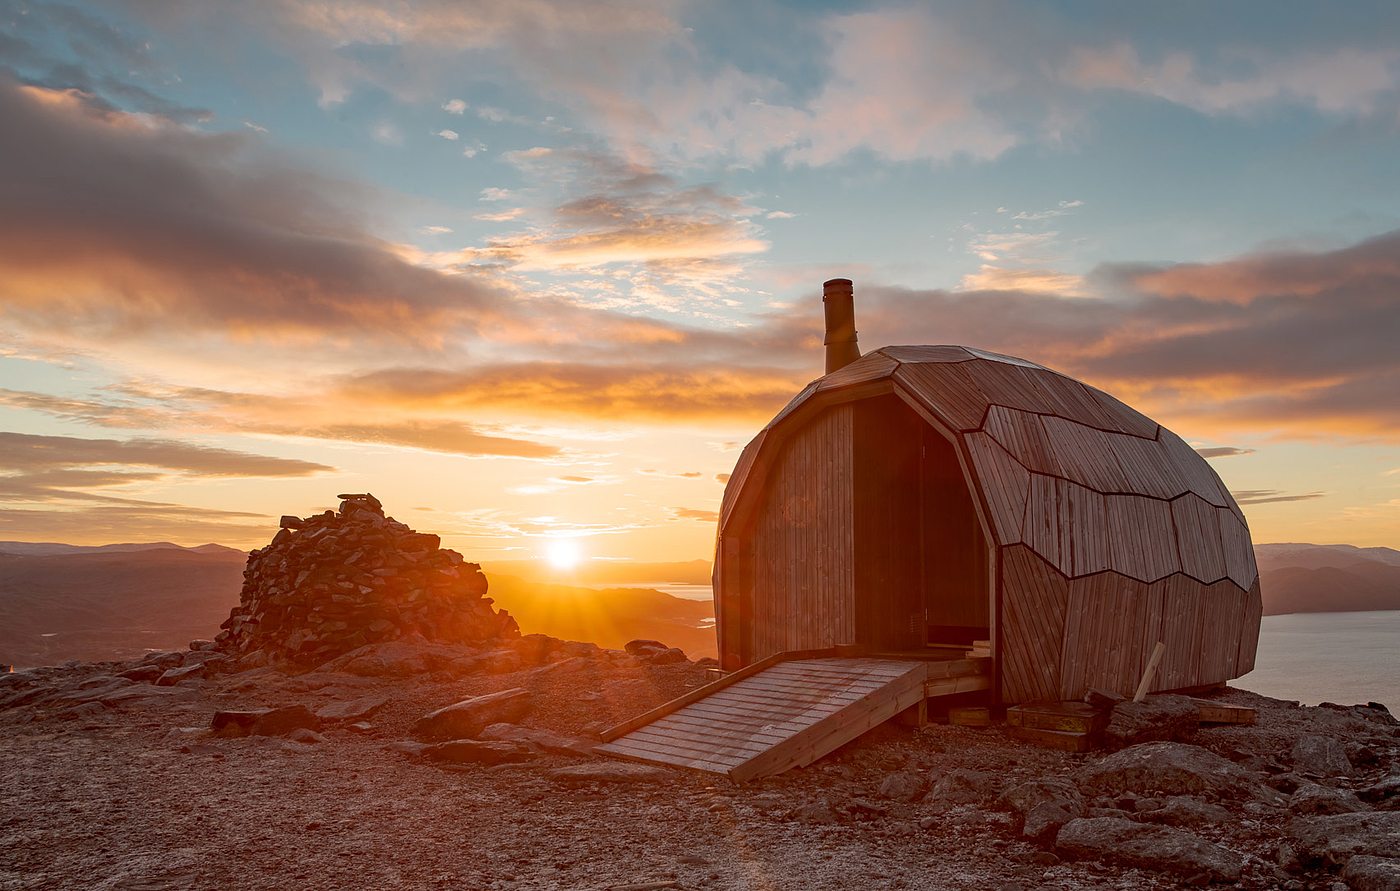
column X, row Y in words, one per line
column 337, row 581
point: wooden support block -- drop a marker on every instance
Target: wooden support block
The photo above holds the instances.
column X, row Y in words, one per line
column 1221, row 713
column 1056, row 739
column 970, row 716
column 949, row 686
column 1068, row 717
column 914, row 715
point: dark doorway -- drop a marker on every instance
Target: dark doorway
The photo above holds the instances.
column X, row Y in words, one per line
column 920, row 556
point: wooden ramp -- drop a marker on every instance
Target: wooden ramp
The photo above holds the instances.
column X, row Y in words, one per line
column 780, row 713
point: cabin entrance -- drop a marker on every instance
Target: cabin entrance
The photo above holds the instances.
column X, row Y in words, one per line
column 921, row 573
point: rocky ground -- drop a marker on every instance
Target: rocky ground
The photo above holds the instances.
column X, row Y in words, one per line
column 113, row 782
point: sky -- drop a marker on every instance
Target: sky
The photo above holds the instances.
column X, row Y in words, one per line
column 533, row 272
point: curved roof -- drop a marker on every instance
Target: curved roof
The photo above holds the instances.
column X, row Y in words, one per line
column 1085, row 481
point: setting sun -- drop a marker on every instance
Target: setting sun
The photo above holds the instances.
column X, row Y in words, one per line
column 564, row 553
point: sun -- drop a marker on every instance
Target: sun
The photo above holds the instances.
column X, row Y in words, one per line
column 564, row 553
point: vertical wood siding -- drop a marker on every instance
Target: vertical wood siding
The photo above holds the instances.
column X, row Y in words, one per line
column 1034, row 598
column 801, row 566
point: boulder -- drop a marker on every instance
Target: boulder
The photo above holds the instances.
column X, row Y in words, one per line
column 644, row 647
column 1174, row 769
column 1334, row 839
column 466, row 719
column 1042, row 822
column 1367, row 873
column 236, row 722
column 962, row 786
column 1121, row 841
column 142, row 673
column 618, row 772
column 1024, row 798
column 553, row 743
column 1321, row 755
column 1185, row 811
column 352, row 711
column 176, row 675
column 284, row 721
column 1385, row 793
column 468, row 751
column 903, row 786
column 1157, row 718
column 1313, row 798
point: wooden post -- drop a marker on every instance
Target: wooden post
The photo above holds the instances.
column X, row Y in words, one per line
column 1152, row 664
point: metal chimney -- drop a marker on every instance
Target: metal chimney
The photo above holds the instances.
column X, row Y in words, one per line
column 839, row 303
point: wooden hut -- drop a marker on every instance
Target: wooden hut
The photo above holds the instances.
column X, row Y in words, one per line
column 921, row 498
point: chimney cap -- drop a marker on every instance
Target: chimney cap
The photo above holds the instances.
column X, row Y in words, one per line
column 838, row 284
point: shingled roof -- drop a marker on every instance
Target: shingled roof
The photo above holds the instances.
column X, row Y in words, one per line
column 1085, row 481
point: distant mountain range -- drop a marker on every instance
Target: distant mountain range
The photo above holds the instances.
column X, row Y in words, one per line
column 60, row 602
column 1309, row 578
column 114, row 602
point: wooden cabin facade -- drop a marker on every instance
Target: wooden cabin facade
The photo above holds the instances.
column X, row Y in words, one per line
column 924, row 497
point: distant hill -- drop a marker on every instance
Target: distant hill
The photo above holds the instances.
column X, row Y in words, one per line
column 50, row 548
column 114, row 602
column 1307, row 578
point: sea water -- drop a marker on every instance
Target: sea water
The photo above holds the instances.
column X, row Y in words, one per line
column 1346, row 658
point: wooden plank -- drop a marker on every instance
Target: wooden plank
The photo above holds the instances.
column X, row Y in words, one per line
column 837, row 729
column 1034, row 603
column 1071, row 400
column 1129, row 420
column 1056, row 739
column 623, row 749
column 1023, row 435
column 1239, row 553
column 738, row 476
column 703, row 747
column 1085, row 456
column 1141, row 537
column 958, row 668
column 871, row 366
column 1198, row 539
column 1006, row 384
column 1003, row 358
column 1194, row 469
column 1149, row 470
column 951, row 686
column 927, row 353
column 1004, row 482
column 754, row 728
column 947, row 391
column 1067, row 715
column 699, row 693
column 1083, row 530
column 1213, row 712
column 1249, row 633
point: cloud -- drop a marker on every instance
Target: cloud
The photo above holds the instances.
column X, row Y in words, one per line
column 120, row 226
column 690, row 513
column 28, row 452
column 1223, row 452
column 685, row 475
column 1272, row 496
column 188, row 408
column 1345, row 80
column 67, row 476
column 454, row 106
column 722, row 478
column 450, row 135
column 634, row 392
column 779, row 215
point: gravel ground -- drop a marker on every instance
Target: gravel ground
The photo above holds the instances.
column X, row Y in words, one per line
column 95, row 797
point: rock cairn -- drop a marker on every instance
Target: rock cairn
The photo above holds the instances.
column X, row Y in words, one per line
column 334, row 582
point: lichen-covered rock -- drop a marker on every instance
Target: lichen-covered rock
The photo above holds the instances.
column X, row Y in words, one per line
column 1313, row 798
column 1173, row 769
column 1367, row 873
column 1333, row 840
column 337, row 581
column 1321, row 755
column 1121, row 841
column 466, row 719
column 1157, row 718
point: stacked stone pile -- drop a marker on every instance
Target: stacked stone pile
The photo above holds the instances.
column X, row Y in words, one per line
column 337, row 581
